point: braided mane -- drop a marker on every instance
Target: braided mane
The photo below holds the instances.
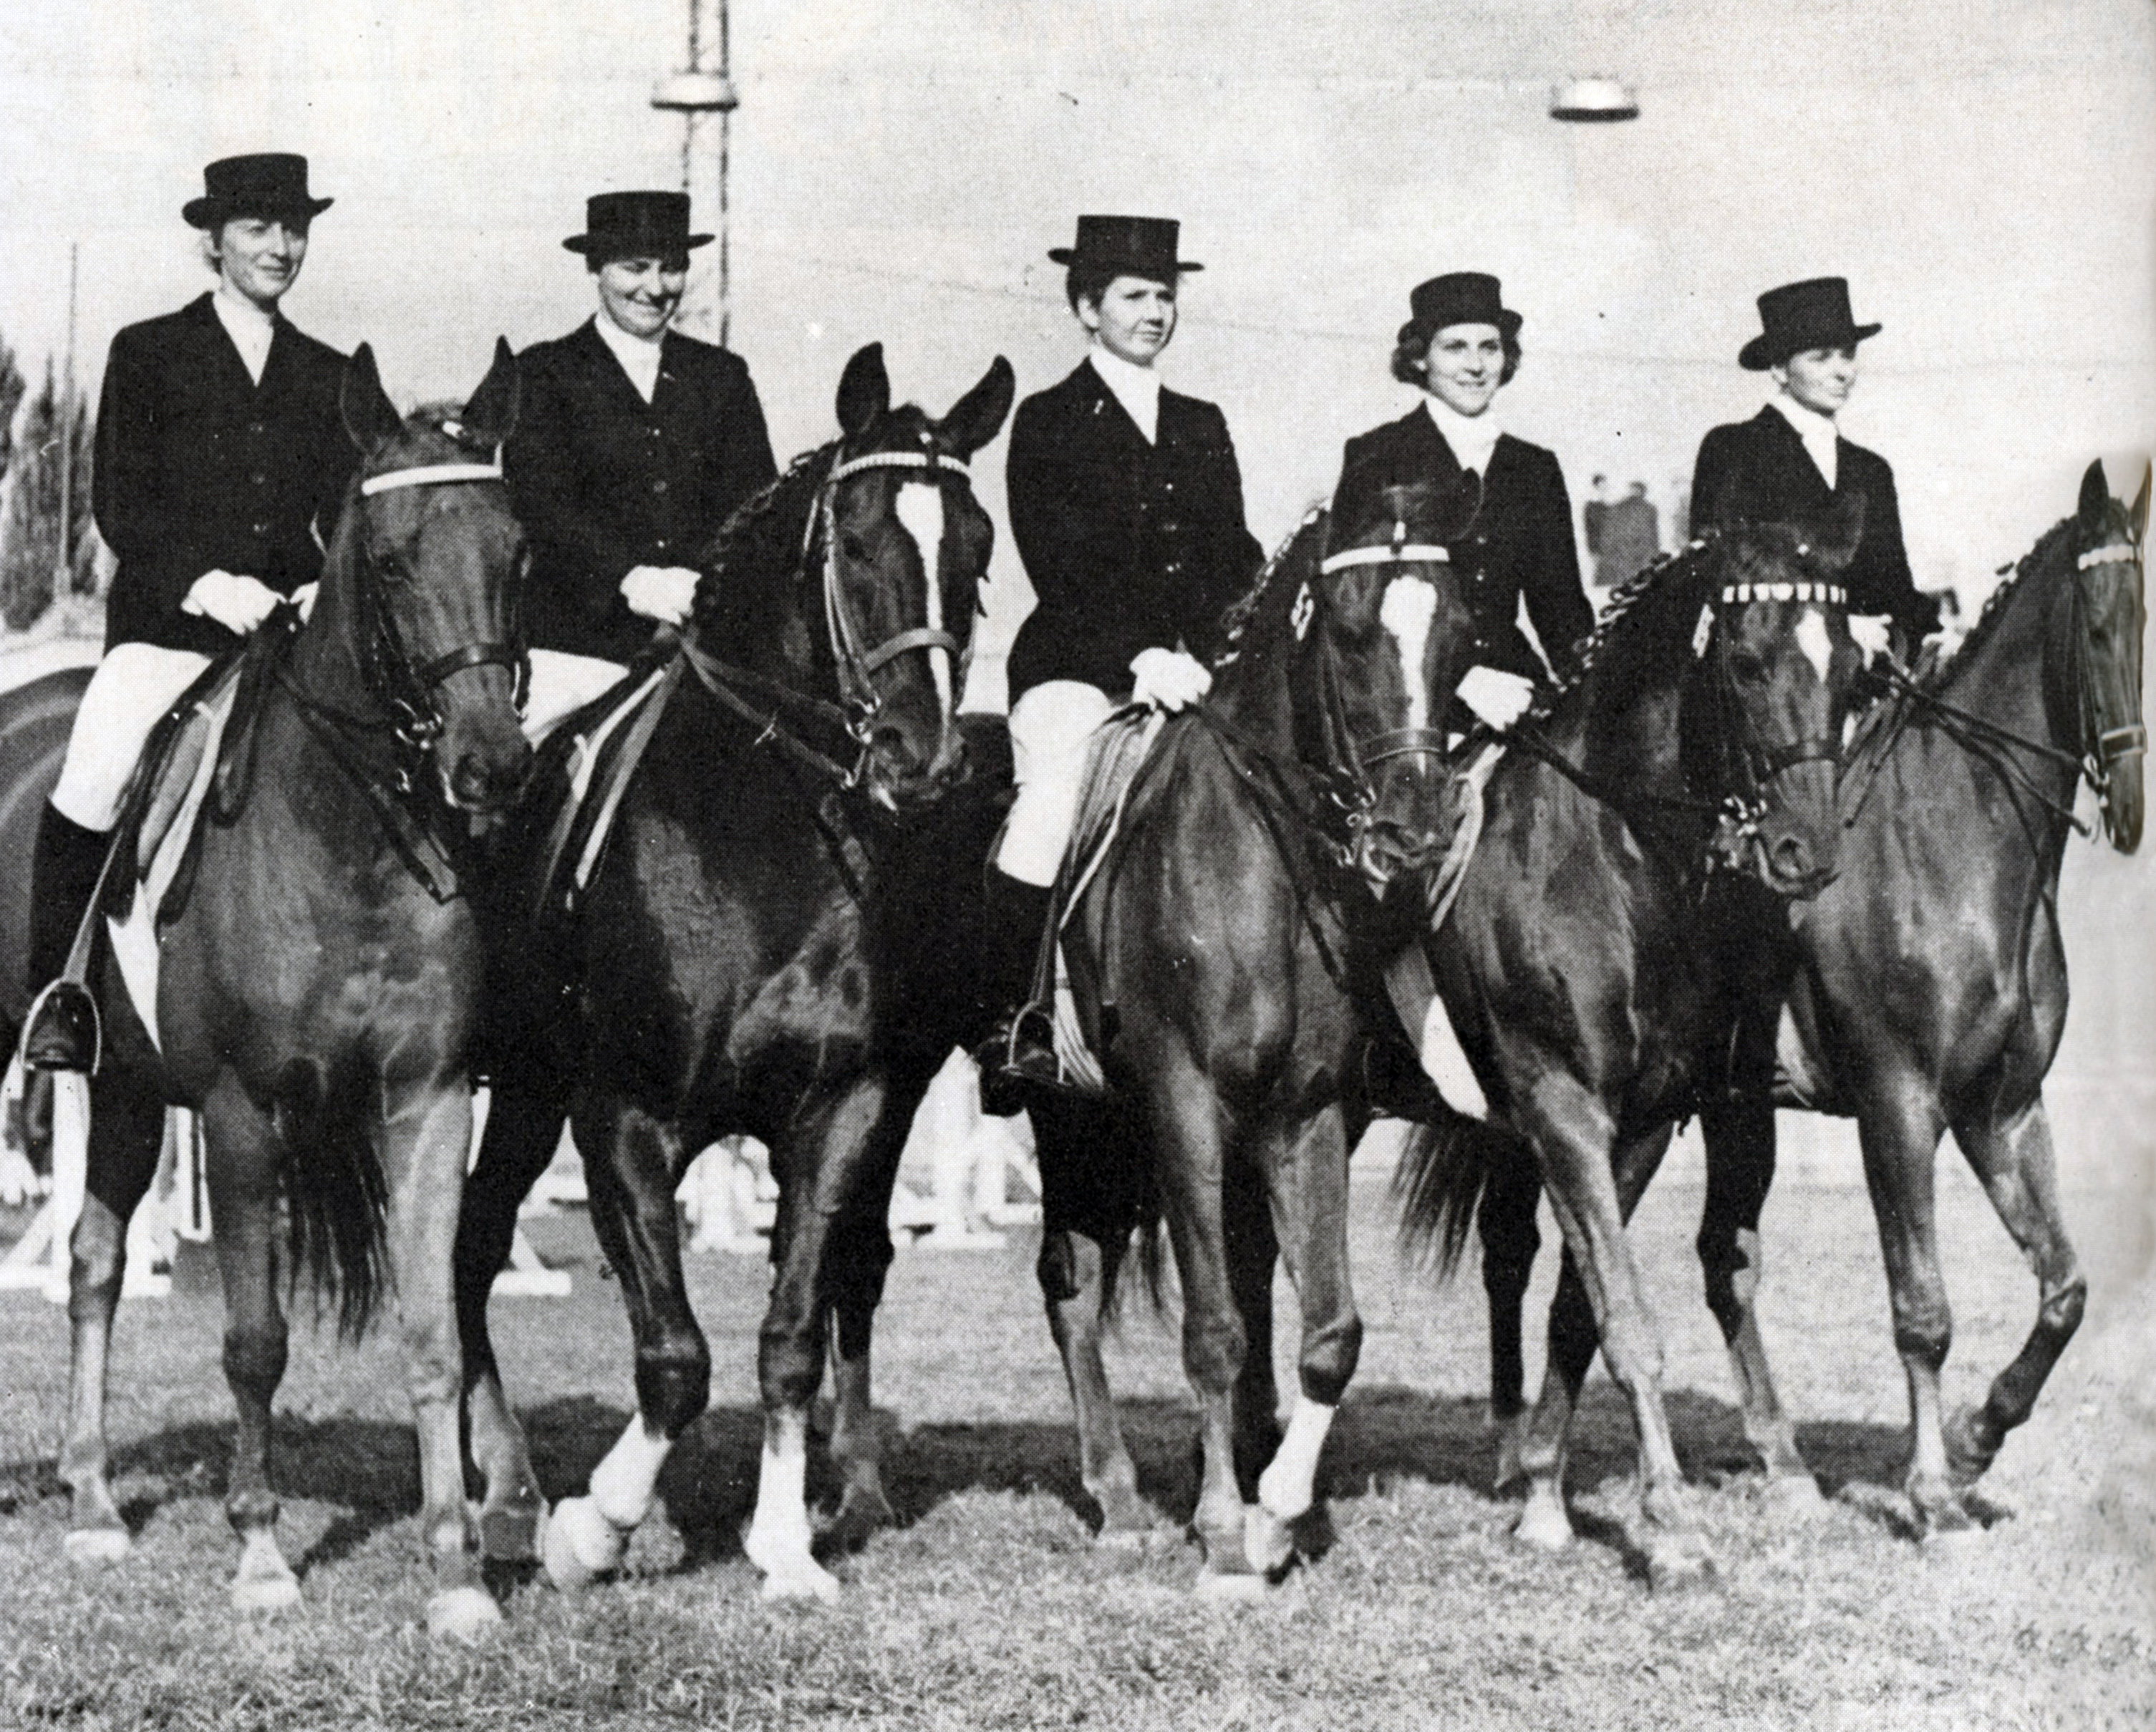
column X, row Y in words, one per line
column 1241, row 623
column 755, row 550
column 1663, row 580
column 1994, row 604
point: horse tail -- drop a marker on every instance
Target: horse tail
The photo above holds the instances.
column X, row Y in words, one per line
column 1145, row 1275
column 1439, row 1180
column 335, row 1191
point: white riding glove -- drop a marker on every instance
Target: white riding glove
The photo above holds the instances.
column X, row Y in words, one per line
column 1874, row 633
column 665, row 593
column 1169, row 678
column 1499, row 698
column 303, row 598
column 239, row 604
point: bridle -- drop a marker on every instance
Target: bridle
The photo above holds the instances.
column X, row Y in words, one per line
column 1748, row 767
column 2102, row 747
column 405, row 690
column 767, row 702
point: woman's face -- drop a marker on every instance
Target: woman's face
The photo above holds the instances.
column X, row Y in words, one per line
column 640, row 294
column 1463, row 366
column 1134, row 318
column 259, row 257
column 1820, row 379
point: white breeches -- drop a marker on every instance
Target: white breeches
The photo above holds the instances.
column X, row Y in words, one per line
column 560, row 682
column 133, row 687
column 1049, row 727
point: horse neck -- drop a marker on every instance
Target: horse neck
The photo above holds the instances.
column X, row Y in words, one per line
column 329, row 660
column 2010, row 661
column 1253, row 694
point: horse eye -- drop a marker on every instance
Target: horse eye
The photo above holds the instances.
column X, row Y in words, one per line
column 388, row 563
column 1747, row 667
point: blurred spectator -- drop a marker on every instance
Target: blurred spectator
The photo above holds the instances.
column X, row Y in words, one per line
column 1624, row 535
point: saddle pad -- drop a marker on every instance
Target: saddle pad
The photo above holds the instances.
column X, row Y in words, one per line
column 599, row 747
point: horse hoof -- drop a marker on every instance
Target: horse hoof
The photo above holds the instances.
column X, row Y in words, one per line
column 578, row 1545
column 1125, row 1519
column 1512, row 1439
column 265, row 1593
column 1268, row 1545
column 1969, row 1456
column 1543, row 1526
column 803, row 1580
column 97, row 1548
column 508, row 1533
column 463, row 1614
column 1794, row 1496
column 860, row 1515
column 1674, row 1564
column 1218, row 1587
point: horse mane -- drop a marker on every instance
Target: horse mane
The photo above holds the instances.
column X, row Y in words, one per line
column 755, row 550
column 1653, row 612
column 1255, row 621
column 1994, row 607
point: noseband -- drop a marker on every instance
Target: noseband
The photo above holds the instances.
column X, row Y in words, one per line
column 408, row 691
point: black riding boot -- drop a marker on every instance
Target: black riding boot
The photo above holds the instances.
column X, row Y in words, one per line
column 63, row 1034
column 1019, row 1056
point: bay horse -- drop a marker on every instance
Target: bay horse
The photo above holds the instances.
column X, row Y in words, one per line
column 1574, row 967
column 1273, row 838
column 767, row 946
column 1930, row 986
column 317, row 995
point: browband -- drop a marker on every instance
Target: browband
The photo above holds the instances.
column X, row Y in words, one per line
column 433, row 474
column 1408, row 553
column 1832, row 594
column 898, row 460
column 2119, row 553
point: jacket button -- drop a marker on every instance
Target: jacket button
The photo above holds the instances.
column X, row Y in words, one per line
column 260, row 478
column 659, row 485
column 1168, row 487
column 661, row 544
column 256, row 426
column 261, row 528
column 1174, row 566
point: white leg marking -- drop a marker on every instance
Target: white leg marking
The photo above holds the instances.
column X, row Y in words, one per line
column 1409, row 605
column 920, row 507
column 779, row 1534
column 622, row 1484
column 1286, row 1487
column 1813, row 639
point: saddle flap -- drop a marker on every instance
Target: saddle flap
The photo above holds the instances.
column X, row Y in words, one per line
column 186, row 763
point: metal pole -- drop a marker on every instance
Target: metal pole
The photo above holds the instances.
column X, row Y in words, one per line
column 725, row 165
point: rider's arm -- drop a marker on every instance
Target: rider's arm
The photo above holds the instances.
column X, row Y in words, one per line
column 1549, row 577
column 584, row 558
column 1222, row 554
column 126, row 484
column 1880, row 580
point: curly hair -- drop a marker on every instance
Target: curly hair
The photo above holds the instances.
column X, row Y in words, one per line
column 1412, row 350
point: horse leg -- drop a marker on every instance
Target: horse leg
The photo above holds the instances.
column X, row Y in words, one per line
column 1253, row 1249
column 522, row 1130
column 2016, row 1163
column 820, row 1165
column 243, row 1182
column 630, row 1159
column 126, row 1132
column 1740, row 1170
column 1898, row 1130
column 1089, row 1207
column 1506, row 1222
column 1191, row 1137
column 1593, row 1188
column 1308, row 1182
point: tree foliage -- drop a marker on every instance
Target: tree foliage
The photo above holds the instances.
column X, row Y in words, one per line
column 34, row 548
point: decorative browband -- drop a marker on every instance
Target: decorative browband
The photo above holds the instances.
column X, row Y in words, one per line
column 1832, row 595
column 2119, row 553
column 431, row 474
column 1408, row 553
column 898, row 460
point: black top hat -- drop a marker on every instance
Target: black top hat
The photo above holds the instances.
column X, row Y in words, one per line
column 1810, row 314
column 1139, row 246
column 1464, row 297
column 635, row 225
column 272, row 184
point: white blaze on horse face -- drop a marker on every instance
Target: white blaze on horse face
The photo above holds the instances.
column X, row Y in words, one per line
column 1815, row 641
column 1409, row 605
column 920, row 508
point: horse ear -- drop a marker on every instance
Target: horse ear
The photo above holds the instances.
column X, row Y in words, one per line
column 863, row 390
column 369, row 416
column 2137, row 514
column 979, row 416
column 2095, row 499
column 489, row 416
column 1834, row 538
column 1458, row 504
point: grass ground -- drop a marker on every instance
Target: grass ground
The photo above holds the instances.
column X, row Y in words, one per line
column 988, row 1607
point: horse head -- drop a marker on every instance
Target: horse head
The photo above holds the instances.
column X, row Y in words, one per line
column 424, row 580
column 1384, row 640
column 906, row 546
column 1770, row 690
column 2103, row 651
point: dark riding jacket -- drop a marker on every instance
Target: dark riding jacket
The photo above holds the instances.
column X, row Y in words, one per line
column 1520, row 544
column 604, row 482
column 198, row 469
column 1129, row 546
column 1759, row 469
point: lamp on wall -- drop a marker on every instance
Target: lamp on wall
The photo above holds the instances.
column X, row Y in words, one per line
column 1594, row 100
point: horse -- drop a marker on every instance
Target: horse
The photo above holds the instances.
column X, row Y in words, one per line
column 1573, row 965
column 767, row 947
column 1959, row 796
column 315, row 996
column 1272, row 838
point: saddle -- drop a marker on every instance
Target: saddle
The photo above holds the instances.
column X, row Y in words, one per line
column 588, row 760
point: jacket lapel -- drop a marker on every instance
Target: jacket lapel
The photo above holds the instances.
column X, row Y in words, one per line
column 1791, row 445
column 609, row 378
column 1432, row 454
column 227, row 372
column 1110, row 421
